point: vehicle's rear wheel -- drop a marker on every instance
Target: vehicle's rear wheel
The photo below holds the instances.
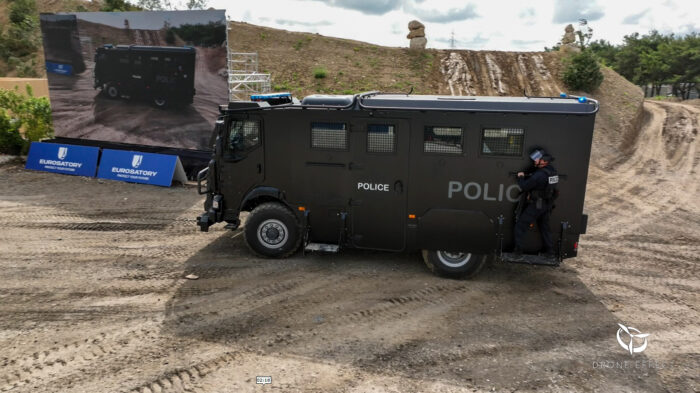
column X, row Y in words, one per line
column 454, row 264
column 272, row 230
column 112, row 91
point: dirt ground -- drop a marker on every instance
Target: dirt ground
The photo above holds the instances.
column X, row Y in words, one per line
column 80, row 111
column 93, row 296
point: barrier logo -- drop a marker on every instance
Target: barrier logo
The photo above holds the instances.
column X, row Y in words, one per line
column 62, row 152
column 136, row 161
column 629, row 343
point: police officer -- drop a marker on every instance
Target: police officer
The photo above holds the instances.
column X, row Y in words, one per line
column 540, row 191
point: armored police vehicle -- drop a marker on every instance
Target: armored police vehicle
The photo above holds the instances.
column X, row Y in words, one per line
column 396, row 173
column 163, row 75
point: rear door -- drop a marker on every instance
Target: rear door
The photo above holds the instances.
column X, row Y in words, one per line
column 379, row 172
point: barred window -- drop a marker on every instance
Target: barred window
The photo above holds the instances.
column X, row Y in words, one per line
column 446, row 140
column 381, row 138
column 502, row 141
column 329, row 136
column 244, row 135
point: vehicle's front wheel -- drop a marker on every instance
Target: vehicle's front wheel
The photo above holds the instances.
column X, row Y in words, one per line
column 272, row 230
column 454, row 264
column 160, row 101
column 112, row 91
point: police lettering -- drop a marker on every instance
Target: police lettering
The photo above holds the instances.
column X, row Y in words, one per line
column 474, row 191
column 372, row 187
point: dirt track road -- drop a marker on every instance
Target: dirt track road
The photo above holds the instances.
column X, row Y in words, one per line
column 93, row 296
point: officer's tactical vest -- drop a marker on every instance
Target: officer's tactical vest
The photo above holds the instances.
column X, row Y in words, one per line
column 551, row 192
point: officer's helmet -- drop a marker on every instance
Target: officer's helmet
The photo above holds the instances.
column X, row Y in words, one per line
column 537, row 154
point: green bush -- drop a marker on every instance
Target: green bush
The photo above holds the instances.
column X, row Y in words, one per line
column 11, row 141
column 23, row 119
column 320, row 72
column 583, row 72
column 22, row 9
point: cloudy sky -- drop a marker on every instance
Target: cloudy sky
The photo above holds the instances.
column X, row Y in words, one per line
column 510, row 25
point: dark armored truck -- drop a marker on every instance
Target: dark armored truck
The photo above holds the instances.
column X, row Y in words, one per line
column 161, row 74
column 396, row 173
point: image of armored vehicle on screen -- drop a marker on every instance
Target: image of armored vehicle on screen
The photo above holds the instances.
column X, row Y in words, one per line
column 162, row 75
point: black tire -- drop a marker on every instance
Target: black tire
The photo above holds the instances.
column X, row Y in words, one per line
column 454, row 264
column 272, row 230
column 112, row 91
column 160, row 101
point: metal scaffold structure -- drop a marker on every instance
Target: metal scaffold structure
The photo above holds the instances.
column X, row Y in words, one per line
column 244, row 78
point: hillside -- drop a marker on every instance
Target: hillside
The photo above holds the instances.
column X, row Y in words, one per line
column 353, row 66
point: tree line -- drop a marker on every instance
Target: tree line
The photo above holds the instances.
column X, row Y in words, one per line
column 655, row 59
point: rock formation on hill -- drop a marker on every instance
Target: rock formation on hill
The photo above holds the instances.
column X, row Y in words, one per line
column 417, row 35
column 568, row 42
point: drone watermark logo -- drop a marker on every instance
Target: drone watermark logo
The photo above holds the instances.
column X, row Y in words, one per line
column 633, row 341
column 62, row 152
column 629, row 343
column 136, row 160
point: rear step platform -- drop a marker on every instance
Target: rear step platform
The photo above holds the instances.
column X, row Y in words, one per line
column 322, row 247
column 529, row 259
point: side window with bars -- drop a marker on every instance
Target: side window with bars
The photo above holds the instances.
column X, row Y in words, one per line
column 504, row 141
column 244, row 134
column 330, row 136
column 381, row 138
column 444, row 140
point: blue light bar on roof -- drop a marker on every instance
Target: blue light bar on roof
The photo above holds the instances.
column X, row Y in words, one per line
column 265, row 97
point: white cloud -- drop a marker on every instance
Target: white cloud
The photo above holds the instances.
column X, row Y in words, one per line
column 500, row 25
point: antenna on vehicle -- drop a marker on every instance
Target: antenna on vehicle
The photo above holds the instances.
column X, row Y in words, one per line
column 410, row 91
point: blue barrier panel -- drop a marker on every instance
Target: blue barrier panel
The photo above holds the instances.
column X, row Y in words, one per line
column 66, row 159
column 137, row 167
column 58, row 68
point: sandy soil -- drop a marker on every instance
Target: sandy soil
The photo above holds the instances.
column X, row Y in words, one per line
column 93, row 296
column 80, row 111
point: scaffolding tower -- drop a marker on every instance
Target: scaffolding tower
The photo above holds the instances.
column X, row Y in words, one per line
column 244, row 78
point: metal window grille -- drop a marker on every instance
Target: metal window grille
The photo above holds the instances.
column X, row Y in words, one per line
column 245, row 134
column 381, row 138
column 502, row 141
column 329, row 136
column 445, row 140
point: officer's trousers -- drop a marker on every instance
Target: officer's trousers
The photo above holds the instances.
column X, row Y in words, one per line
column 532, row 214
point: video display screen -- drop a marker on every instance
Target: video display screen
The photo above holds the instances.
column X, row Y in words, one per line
column 143, row 78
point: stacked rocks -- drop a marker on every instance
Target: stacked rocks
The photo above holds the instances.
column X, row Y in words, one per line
column 568, row 42
column 416, row 35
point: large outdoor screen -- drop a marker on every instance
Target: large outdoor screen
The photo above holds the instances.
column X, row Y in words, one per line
column 144, row 78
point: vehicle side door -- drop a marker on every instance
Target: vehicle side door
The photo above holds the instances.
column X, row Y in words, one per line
column 379, row 173
column 242, row 158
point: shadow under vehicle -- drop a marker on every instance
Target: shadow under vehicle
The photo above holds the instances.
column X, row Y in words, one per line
column 163, row 75
column 396, row 173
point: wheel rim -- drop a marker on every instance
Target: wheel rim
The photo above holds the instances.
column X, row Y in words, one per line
column 112, row 91
column 160, row 101
column 454, row 259
column 272, row 233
